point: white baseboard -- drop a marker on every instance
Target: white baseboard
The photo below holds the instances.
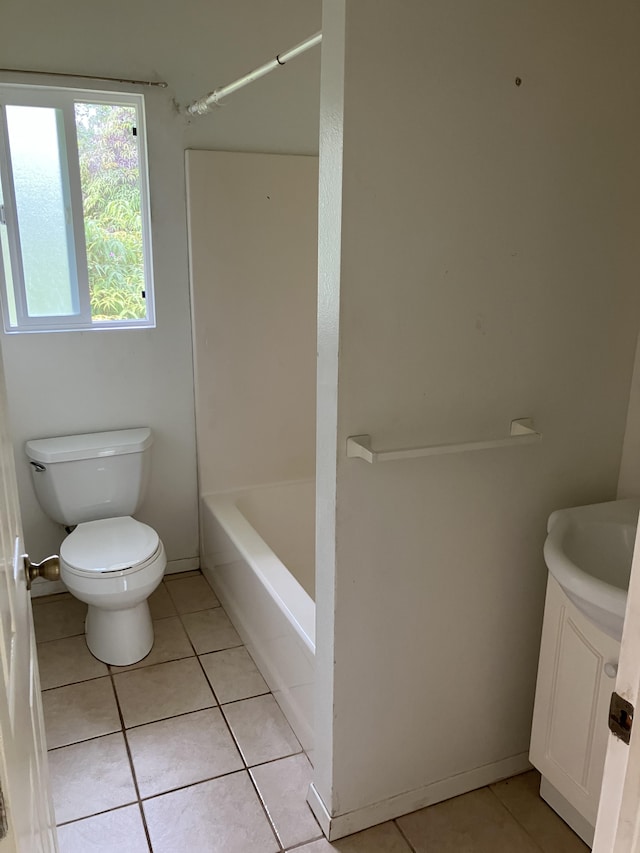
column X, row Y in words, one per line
column 355, row 821
column 187, row 564
column 319, row 809
column 42, row 587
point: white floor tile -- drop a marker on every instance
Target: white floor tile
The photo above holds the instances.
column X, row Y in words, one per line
column 80, row 711
column 181, row 751
column 262, row 732
column 221, row 816
column 233, row 675
column 90, row 777
column 67, row 661
column 163, row 690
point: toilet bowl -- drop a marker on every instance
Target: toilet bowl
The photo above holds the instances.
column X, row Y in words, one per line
column 114, row 565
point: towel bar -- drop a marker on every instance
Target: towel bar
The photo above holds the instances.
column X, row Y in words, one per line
column 521, row 432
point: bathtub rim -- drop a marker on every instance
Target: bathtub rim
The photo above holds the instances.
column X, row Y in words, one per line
column 295, row 603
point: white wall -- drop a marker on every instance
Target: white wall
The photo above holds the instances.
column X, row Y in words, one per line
column 629, row 480
column 84, row 381
column 484, row 268
column 253, row 236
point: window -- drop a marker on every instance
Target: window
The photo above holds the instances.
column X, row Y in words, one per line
column 75, row 249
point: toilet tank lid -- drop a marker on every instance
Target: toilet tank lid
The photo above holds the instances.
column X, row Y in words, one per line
column 92, row 445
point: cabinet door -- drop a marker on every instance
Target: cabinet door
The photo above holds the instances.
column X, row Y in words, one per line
column 570, row 719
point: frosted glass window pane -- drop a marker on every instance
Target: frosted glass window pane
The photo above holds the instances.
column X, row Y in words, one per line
column 43, row 210
column 110, row 178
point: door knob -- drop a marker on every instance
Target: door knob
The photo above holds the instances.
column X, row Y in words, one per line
column 48, row 569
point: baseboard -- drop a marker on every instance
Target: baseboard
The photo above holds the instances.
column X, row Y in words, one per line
column 355, row 821
column 187, row 564
column 319, row 810
column 42, row 587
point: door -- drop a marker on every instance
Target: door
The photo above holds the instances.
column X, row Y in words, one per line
column 618, row 825
column 28, row 825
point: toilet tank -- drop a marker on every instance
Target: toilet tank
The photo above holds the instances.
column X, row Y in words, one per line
column 86, row 477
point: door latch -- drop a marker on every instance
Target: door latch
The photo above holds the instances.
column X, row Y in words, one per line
column 621, row 717
column 48, row 569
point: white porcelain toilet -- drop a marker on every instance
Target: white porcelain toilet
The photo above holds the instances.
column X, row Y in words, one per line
column 111, row 561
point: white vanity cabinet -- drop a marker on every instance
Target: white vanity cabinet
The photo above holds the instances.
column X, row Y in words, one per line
column 576, row 677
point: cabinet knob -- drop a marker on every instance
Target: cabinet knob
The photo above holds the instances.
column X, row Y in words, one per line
column 611, row 669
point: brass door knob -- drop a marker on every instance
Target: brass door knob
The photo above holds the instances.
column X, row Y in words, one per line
column 48, row 569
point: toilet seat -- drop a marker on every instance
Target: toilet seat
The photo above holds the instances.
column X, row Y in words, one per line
column 110, row 546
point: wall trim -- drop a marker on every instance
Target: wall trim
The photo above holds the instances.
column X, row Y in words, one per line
column 319, row 810
column 186, row 564
column 355, row 821
column 42, row 587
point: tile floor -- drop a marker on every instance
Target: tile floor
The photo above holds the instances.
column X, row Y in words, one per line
column 188, row 751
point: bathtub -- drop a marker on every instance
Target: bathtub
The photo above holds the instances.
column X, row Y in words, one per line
column 258, row 552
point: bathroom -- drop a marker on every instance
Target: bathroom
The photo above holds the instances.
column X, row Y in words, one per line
column 530, row 307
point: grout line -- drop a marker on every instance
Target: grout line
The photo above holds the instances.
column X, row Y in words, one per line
column 235, row 740
column 144, row 825
column 400, row 830
column 266, row 692
column 97, row 814
column 263, row 806
column 64, row 637
column 84, row 740
column 125, row 729
column 512, row 816
column 52, row 598
column 172, row 717
column 59, row 640
column 273, row 760
column 165, row 720
column 194, row 784
column 243, row 770
column 255, row 785
column 134, row 668
column 131, row 765
column 73, row 683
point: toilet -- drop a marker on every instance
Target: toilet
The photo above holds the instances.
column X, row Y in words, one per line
column 93, row 484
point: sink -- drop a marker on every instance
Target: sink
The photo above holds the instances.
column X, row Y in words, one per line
column 588, row 550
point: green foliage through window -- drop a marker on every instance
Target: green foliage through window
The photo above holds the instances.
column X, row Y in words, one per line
column 110, row 178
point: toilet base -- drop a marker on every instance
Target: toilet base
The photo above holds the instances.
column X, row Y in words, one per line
column 119, row 637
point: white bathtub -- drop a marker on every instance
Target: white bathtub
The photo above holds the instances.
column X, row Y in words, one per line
column 258, row 551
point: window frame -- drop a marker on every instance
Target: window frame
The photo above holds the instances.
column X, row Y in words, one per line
column 65, row 99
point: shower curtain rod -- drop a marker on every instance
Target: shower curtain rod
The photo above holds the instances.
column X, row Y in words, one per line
column 160, row 83
column 203, row 105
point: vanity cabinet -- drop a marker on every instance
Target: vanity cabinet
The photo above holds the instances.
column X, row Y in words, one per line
column 576, row 676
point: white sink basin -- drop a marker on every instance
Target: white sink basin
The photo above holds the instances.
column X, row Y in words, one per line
column 588, row 550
